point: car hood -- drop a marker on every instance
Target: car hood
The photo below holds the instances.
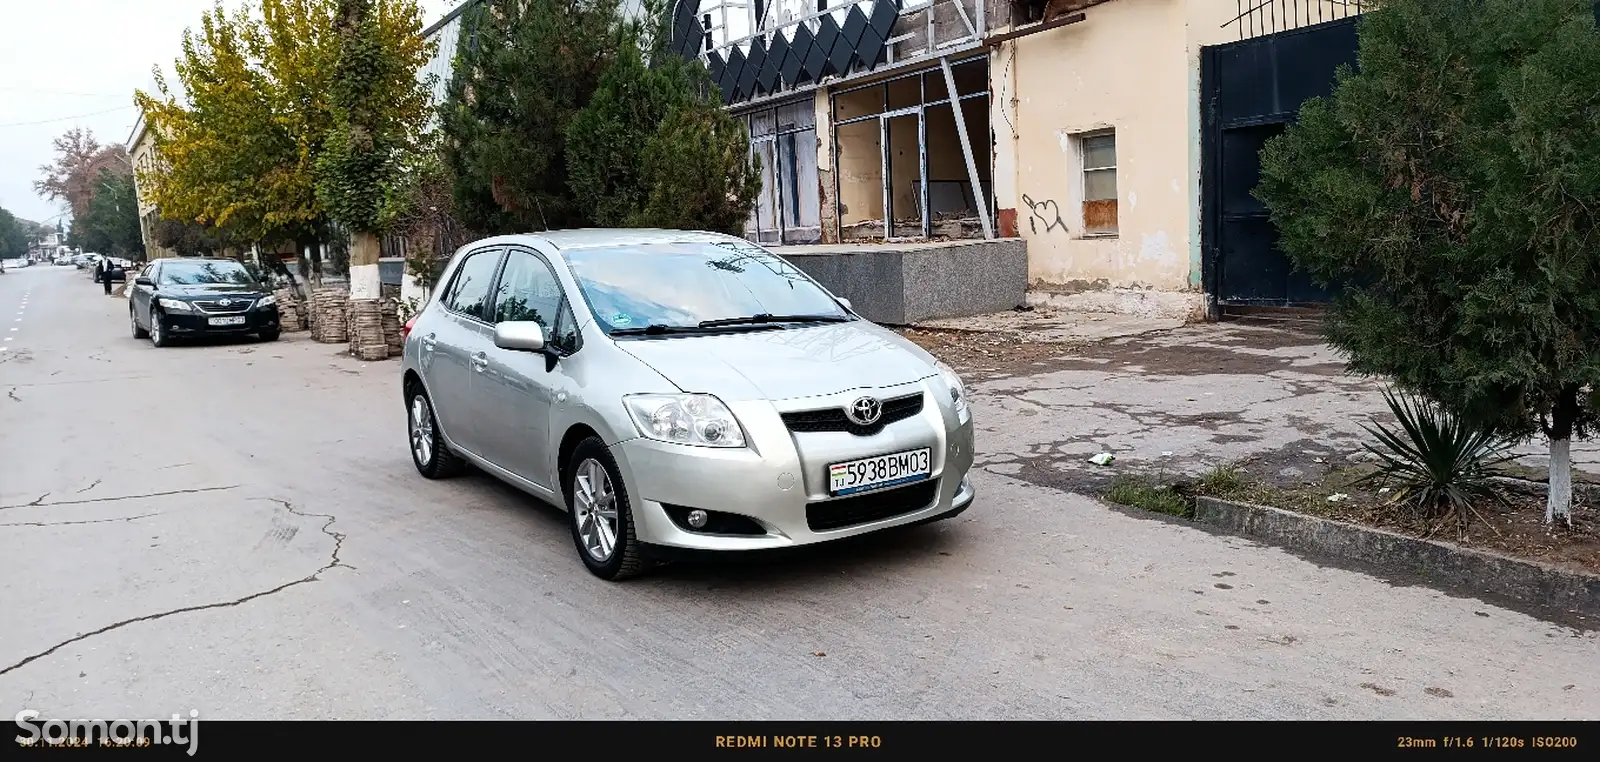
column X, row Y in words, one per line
column 779, row 364
column 215, row 289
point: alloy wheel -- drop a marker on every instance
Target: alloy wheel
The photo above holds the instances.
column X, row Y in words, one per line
column 594, row 508
column 421, row 431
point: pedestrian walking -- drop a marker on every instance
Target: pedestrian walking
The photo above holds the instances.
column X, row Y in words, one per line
column 103, row 272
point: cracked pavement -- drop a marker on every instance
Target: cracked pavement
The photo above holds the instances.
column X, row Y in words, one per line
column 236, row 528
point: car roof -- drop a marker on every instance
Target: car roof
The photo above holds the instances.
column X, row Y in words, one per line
column 592, row 238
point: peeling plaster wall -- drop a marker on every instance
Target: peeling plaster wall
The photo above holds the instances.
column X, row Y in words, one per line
column 1132, row 66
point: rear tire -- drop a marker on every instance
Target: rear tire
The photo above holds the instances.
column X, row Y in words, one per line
column 133, row 320
column 600, row 514
column 429, row 453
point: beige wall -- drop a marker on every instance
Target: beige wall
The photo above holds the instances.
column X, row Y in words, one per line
column 144, row 157
column 1132, row 67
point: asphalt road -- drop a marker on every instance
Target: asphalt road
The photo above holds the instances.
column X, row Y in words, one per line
column 237, row 529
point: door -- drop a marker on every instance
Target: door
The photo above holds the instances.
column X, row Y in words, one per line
column 141, row 296
column 455, row 348
column 906, row 173
column 517, row 387
column 1251, row 91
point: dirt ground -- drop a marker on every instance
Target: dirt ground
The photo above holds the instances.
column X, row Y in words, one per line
column 1515, row 528
column 1273, row 407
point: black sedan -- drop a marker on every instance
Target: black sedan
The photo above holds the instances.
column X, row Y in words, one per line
column 194, row 298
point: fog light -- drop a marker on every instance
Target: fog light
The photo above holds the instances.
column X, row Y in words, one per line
column 697, row 518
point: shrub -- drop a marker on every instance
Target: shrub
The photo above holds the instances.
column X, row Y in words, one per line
column 1438, row 463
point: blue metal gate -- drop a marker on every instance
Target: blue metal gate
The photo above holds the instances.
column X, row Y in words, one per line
column 1250, row 91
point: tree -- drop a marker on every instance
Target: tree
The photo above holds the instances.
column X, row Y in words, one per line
column 1453, row 183
column 524, row 69
column 14, row 236
column 378, row 107
column 72, row 177
column 188, row 239
column 216, row 136
column 111, row 224
column 239, row 137
column 654, row 147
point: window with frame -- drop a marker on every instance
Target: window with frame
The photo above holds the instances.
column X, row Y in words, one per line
column 1097, row 156
column 528, row 291
column 469, row 290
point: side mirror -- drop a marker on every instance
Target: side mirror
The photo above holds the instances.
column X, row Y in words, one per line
column 143, row 281
column 521, row 335
column 847, row 304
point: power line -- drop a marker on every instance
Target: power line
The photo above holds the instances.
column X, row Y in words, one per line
column 68, row 118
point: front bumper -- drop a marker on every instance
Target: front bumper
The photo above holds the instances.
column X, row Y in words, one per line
column 199, row 323
column 776, row 489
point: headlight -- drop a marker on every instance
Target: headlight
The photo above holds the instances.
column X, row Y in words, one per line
column 691, row 419
column 267, row 301
column 173, row 305
column 958, row 391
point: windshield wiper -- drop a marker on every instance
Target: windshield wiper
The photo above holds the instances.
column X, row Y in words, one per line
column 770, row 318
column 655, row 329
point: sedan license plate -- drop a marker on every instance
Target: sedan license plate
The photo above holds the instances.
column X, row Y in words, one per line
column 879, row 472
column 228, row 321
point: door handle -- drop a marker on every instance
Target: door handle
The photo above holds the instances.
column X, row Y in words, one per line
column 428, row 342
column 480, row 361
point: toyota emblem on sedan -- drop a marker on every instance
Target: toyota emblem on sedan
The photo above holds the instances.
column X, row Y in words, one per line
column 225, row 303
column 865, row 411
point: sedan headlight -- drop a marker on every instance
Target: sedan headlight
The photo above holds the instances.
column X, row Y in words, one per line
column 958, row 391
column 691, row 419
column 174, row 305
column 267, row 301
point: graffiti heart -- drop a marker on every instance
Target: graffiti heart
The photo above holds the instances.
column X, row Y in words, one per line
column 1046, row 213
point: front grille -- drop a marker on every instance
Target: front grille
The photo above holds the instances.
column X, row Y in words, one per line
column 834, row 419
column 234, row 305
column 873, row 506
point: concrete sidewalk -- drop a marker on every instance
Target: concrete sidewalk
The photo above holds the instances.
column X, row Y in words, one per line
column 1050, row 395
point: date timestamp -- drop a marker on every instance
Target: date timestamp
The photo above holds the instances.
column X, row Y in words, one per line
column 1487, row 742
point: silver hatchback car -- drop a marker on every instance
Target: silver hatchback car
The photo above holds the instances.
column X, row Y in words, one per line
column 679, row 392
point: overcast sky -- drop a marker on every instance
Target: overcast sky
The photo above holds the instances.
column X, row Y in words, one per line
column 73, row 63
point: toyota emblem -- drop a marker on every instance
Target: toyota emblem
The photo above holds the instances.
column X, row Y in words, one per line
column 225, row 302
column 865, row 411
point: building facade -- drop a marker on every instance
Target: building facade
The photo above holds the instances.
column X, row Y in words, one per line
column 142, row 150
column 1073, row 124
column 1079, row 126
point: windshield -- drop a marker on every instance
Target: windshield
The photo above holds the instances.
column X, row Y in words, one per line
column 686, row 284
column 206, row 273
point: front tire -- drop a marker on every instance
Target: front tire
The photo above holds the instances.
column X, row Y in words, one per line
column 429, row 453
column 269, row 335
column 133, row 320
column 158, row 332
column 601, row 515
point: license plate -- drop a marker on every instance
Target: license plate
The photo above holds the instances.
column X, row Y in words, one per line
column 228, row 321
column 879, row 472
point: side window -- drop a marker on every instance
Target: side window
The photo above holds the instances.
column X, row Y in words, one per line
column 528, row 291
column 565, row 335
column 469, row 292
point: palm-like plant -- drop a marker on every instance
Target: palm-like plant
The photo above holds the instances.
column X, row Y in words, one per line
column 1437, row 462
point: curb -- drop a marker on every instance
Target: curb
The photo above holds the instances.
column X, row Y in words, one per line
column 1523, row 581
